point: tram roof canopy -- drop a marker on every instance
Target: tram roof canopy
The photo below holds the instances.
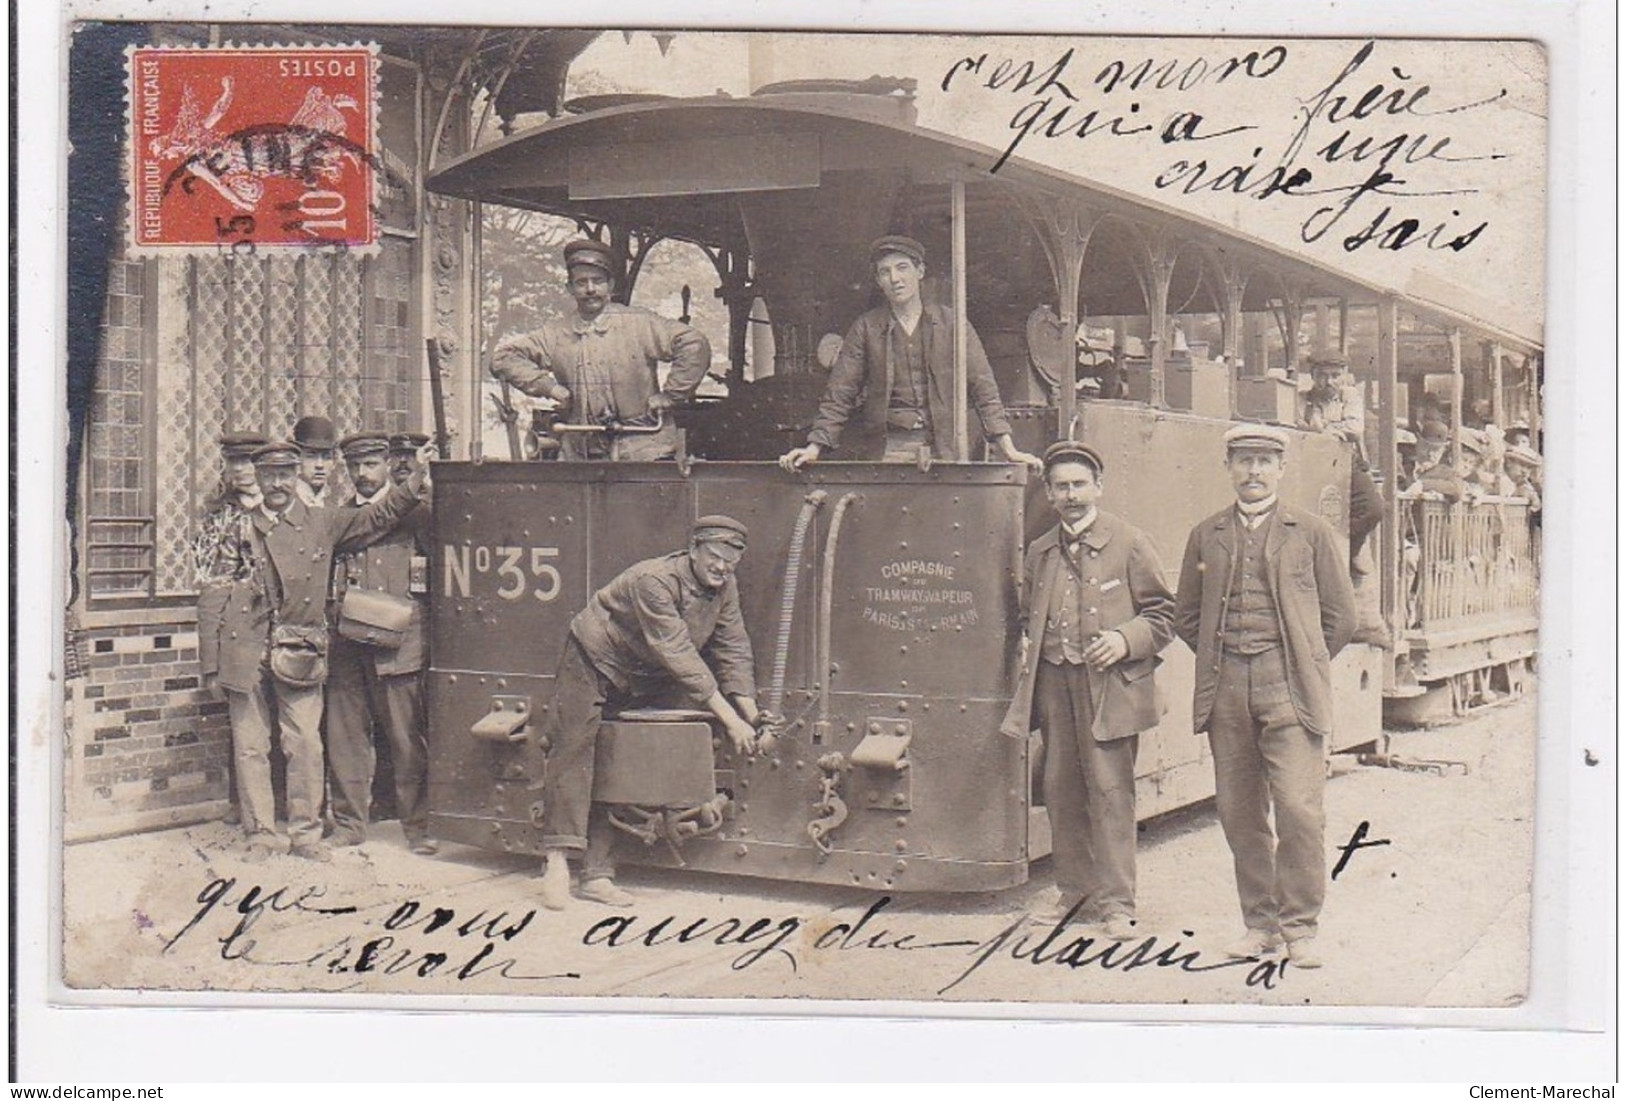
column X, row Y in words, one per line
column 673, row 167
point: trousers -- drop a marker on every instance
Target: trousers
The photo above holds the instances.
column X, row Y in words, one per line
column 1089, row 795
column 298, row 712
column 360, row 704
column 1264, row 761
column 571, row 735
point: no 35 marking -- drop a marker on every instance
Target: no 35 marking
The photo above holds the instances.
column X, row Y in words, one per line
column 519, row 569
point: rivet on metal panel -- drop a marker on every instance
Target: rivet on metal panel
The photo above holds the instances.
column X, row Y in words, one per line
column 900, row 867
column 452, row 679
column 741, row 851
column 743, row 830
column 874, row 728
column 962, row 708
column 902, row 705
column 902, row 649
column 901, row 846
column 502, row 682
column 801, row 764
column 957, row 526
column 744, row 808
column 851, row 726
column 903, row 684
column 552, row 519
column 898, row 799
column 569, row 519
column 903, row 546
column 890, row 881
column 956, row 500
column 482, row 680
column 905, row 510
column 925, row 707
column 901, row 821
column 774, row 764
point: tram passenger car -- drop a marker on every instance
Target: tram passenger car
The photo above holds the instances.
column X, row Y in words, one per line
column 881, row 598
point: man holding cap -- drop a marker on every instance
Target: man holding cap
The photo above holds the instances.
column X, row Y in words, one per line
column 669, row 631
column 1265, row 601
column 374, row 688
column 601, row 364
column 316, row 441
column 1095, row 613
column 897, row 364
column 286, row 602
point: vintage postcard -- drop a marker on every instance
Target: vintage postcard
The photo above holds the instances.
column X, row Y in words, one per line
column 1029, row 523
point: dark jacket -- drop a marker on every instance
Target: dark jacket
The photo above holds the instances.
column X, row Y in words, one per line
column 655, row 624
column 294, row 563
column 861, row 382
column 1133, row 598
column 1313, row 598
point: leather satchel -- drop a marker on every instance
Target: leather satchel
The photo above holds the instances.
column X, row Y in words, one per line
column 375, row 618
column 298, row 656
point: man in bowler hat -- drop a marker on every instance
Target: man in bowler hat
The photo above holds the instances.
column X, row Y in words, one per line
column 316, row 441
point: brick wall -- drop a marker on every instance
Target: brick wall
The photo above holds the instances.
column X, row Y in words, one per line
column 148, row 745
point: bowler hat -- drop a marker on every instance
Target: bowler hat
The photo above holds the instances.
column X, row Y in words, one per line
column 314, row 434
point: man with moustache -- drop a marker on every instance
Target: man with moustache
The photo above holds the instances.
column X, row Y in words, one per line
column 600, row 365
column 378, row 689
column 1095, row 613
column 666, row 631
column 896, row 373
column 1265, row 602
column 403, row 454
column 291, row 547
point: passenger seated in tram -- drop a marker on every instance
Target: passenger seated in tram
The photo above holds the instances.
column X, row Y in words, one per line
column 896, row 373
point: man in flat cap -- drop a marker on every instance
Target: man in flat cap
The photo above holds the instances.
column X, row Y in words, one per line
column 317, row 443
column 223, row 560
column 1265, row 601
column 280, row 645
column 403, row 454
column 669, row 631
column 1095, row 614
column 374, row 688
column 896, row 374
column 600, row 365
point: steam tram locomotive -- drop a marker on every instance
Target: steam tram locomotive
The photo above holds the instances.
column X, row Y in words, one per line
column 881, row 598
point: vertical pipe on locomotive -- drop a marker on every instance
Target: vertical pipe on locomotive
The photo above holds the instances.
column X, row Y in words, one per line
column 961, row 340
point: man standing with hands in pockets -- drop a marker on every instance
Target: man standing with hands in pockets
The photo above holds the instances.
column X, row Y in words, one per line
column 1266, row 603
column 1095, row 613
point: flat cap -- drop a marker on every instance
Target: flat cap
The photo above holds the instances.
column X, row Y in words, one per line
column 315, row 434
column 1071, row 451
column 906, row 246
column 591, row 253
column 720, row 529
column 1474, row 441
column 281, row 453
column 1257, row 437
column 407, row 441
column 357, row 444
column 241, row 445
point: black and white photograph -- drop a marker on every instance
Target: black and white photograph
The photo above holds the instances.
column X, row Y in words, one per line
column 783, row 521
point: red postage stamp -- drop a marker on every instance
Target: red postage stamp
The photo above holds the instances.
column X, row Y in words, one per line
column 249, row 148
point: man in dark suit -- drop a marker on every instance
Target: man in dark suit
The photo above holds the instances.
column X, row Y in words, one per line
column 895, row 376
column 377, row 688
column 1265, row 601
column 292, row 546
column 1095, row 612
